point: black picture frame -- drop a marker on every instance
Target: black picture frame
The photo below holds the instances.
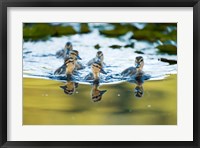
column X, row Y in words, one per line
column 4, row 4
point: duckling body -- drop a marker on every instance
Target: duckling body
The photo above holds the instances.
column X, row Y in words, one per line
column 129, row 71
column 64, row 52
column 137, row 70
column 70, row 66
column 96, row 70
column 99, row 58
column 79, row 66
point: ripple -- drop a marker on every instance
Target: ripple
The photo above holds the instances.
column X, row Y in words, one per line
column 39, row 58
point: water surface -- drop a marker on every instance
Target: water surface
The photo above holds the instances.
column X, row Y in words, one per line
column 45, row 103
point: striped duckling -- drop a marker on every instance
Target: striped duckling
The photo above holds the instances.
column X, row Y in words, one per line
column 96, row 70
column 137, row 70
column 70, row 66
column 96, row 94
column 99, row 57
column 73, row 54
column 69, row 87
column 64, row 52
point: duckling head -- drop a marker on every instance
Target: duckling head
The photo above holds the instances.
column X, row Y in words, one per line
column 139, row 62
column 74, row 54
column 68, row 46
column 97, row 94
column 99, row 56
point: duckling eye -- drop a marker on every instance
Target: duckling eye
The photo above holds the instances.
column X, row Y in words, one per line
column 97, row 66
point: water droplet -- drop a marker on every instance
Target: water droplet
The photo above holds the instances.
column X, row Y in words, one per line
column 76, row 92
column 118, row 95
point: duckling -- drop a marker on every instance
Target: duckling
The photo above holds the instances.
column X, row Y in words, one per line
column 72, row 54
column 70, row 66
column 75, row 55
column 139, row 91
column 96, row 94
column 62, row 53
column 96, row 70
column 69, row 87
column 137, row 70
column 99, row 57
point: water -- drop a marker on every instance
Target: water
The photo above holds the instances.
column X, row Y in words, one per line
column 39, row 58
column 45, row 103
column 114, row 101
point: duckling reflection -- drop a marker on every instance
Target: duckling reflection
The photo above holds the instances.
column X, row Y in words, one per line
column 96, row 94
column 69, row 87
column 137, row 70
column 139, row 91
column 63, row 52
column 139, row 80
column 99, row 57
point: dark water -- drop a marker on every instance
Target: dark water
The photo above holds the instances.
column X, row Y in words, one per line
column 46, row 103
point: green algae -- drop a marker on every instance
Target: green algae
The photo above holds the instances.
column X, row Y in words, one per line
column 84, row 28
column 97, row 46
column 43, row 31
column 119, row 30
column 170, row 49
column 151, row 32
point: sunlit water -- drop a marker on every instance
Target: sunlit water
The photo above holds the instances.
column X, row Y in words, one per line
column 39, row 58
